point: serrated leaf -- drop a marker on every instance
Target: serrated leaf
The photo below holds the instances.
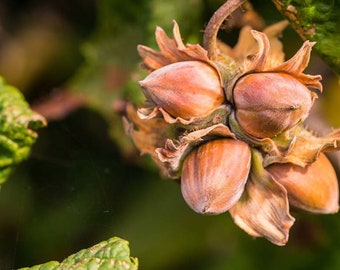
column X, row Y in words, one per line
column 17, row 128
column 46, row 266
column 112, row 254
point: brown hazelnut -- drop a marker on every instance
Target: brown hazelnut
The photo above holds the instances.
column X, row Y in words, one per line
column 313, row 188
column 185, row 89
column 214, row 175
column 270, row 103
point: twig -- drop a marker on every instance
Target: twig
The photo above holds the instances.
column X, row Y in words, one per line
column 210, row 33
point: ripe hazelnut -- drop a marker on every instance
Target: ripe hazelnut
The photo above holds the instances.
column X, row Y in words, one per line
column 313, row 188
column 184, row 89
column 270, row 103
column 214, row 175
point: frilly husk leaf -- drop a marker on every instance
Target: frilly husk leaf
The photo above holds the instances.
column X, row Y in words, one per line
column 148, row 134
column 297, row 64
column 255, row 51
column 171, row 51
column 263, row 209
column 262, row 52
column 302, row 147
column 264, row 60
column 219, row 115
column 276, row 54
column 257, row 62
column 247, row 45
column 174, row 151
column 157, row 112
column 155, row 132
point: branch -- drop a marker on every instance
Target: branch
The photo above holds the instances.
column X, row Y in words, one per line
column 317, row 21
column 210, row 33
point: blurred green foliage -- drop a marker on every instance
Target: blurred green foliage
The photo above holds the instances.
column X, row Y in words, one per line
column 84, row 181
column 18, row 124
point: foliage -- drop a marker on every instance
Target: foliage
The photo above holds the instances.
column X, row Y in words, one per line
column 17, row 128
column 111, row 254
column 317, row 21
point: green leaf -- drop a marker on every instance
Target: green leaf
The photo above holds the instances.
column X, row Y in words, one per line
column 317, row 21
column 17, row 128
column 111, row 254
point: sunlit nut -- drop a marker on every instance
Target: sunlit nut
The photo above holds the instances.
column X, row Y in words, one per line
column 184, row 89
column 214, row 175
column 313, row 188
column 270, row 103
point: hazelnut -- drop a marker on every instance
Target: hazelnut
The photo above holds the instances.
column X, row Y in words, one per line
column 270, row 103
column 184, row 89
column 214, row 175
column 313, row 188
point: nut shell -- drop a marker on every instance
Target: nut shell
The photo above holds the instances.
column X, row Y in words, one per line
column 313, row 188
column 270, row 103
column 185, row 89
column 214, row 175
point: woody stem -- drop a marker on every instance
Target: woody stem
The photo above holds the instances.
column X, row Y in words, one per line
column 210, row 33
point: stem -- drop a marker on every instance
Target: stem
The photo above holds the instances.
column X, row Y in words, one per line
column 210, row 33
column 257, row 163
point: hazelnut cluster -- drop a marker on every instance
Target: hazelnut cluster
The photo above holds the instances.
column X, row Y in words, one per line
column 230, row 127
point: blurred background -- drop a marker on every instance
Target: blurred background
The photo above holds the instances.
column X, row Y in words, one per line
column 76, row 63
